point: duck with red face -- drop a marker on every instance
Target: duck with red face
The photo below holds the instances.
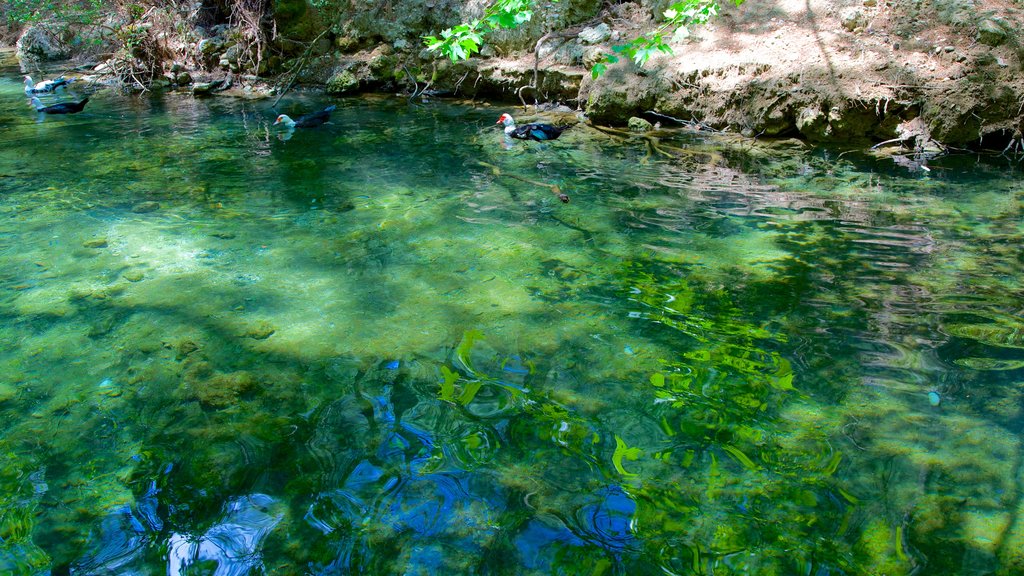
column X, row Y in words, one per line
column 535, row 131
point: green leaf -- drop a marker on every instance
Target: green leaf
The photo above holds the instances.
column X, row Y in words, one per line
column 624, row 451
column 740, row 457
column 448, row 385
column 469, row 392
column 465, row 348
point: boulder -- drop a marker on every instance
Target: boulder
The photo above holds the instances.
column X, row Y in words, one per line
column 40, row 43
column 595, row 34
column 203, row 88
column 992, row 32
column 637, row 124
column 344, row 82
column 812, row 123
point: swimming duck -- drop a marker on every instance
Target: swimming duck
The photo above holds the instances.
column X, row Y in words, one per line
column 60, row 108
column 46, row 85
column 306, row 121
column 538, row 132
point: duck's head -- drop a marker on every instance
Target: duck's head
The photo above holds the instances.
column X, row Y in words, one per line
column 506, row 120
column 28, row 81
column 284, row 119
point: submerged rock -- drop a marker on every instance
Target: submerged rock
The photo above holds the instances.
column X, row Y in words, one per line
column 95, row 243
column 146, row 207
column 261, row 331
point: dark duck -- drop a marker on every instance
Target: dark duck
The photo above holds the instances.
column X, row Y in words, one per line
column 46, row 86
column 538, row 132
column 306, row 121
column 60, row 108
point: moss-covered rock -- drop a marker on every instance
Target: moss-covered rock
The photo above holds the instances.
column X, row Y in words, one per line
column 637, row 124
column 344, row 82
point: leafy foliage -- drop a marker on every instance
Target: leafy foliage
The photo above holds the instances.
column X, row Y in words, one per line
column 462, row 41
column 679, row 18
column 32, row 11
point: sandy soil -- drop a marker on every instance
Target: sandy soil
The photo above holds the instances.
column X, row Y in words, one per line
column 835, row 70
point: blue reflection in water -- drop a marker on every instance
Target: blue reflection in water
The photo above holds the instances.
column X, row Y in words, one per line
column 440, row 518
column 609, row 522
column 118, row 542
column 606, row 523
column 234, row 545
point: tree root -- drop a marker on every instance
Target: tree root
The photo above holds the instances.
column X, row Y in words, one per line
column 1016, row 144
column 655, row 147
column 553, row 187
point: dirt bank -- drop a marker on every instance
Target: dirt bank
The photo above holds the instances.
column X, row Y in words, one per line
column 943, row 72
column 838, row 71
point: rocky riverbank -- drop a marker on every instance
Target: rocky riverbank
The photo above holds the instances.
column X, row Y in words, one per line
column 943, row 73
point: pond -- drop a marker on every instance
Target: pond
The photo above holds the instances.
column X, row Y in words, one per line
column 383, row 346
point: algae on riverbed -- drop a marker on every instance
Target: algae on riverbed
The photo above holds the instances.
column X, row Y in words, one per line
column 360, row 350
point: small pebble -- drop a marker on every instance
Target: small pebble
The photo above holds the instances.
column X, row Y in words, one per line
column 95, row 243
column 934, row 399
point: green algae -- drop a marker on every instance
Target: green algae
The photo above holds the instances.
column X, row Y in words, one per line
column 696, row 366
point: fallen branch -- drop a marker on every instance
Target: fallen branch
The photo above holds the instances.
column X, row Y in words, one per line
column 901, row 140
column 553, row 187
column 298, row 70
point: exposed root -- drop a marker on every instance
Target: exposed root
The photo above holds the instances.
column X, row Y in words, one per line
column 655, row 147
column 693, row 123
column 1016, row 144
column 523, row 100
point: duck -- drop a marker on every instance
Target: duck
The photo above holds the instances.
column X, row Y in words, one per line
column 45, row 86
column 306, row 121
column 536, row 131
column 60, row 108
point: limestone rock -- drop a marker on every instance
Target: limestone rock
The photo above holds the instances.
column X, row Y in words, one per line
column 852, row 18
column 40, row 43
column 812, row 123
column 595, row 34
column 202, row 88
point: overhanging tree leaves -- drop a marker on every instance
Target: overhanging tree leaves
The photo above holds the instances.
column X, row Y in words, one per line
column 462, row 41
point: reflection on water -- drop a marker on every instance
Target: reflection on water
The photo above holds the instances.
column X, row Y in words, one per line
column 361, row 350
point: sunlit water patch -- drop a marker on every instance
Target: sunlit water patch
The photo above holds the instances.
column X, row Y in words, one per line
column 384, row 346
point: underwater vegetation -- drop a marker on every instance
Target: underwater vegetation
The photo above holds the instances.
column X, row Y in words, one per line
column 363, row 350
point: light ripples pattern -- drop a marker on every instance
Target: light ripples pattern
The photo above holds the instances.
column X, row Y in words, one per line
column 384, row 346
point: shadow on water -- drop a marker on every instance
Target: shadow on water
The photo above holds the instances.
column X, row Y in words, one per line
column 360, row 350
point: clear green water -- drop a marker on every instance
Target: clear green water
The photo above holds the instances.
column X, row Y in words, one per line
column 361, row 351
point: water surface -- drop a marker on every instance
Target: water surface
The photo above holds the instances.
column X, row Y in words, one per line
column 385, row 347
